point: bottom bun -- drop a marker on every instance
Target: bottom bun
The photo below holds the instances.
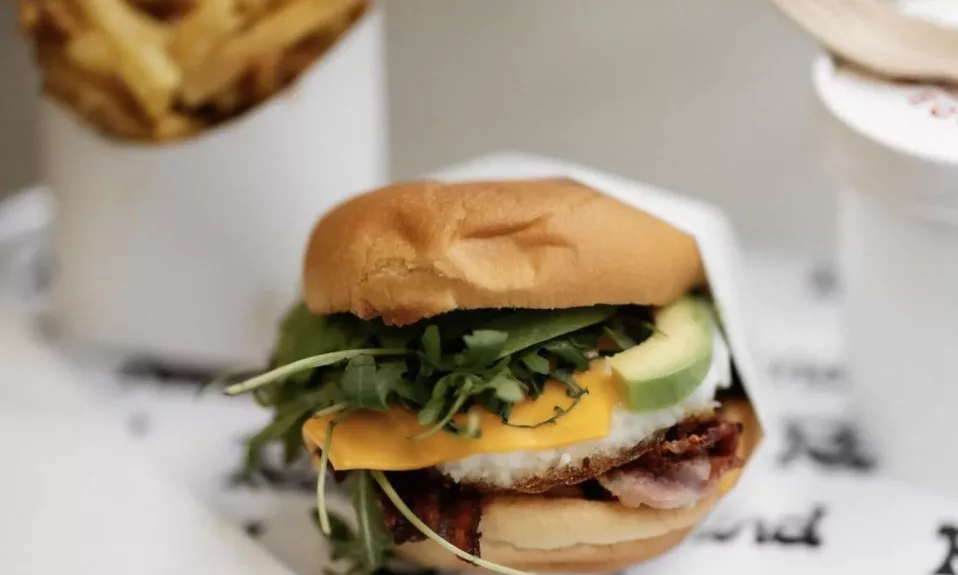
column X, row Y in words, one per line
column 546, row 534
column 580, row 558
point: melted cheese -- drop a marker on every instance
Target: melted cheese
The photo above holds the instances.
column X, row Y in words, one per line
column 381, row 440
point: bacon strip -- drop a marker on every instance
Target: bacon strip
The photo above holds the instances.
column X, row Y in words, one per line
column 678, row 469
column 451, row 512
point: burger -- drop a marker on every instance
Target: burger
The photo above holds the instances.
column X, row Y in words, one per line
column 523, row 376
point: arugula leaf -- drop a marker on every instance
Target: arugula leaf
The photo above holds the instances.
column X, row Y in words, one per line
column 526, row 328
column 286, row 425
column 346, row 546
column 416, row 395
column 303, row 334
column 292, row 417
column 631, row 326
column 390, row 335
column 442, row 386
column 455, row 324
column 483, row 346
column 432, row 345
column 263, row 397
column 430, row 412
column 464, row 392
column 569, row 352
column 501, row 408
column 293, row 443
column 322, row 472
column 535, row 387
column 342, row 536
column 359, row 383
column 366, row 387
column 284, row 372
column 389, row 375
column 374, row 541
column 558, row 412
column 619, row 337
column 432, row 409
column 568, row 378
column 507, row 389
column 536, row 363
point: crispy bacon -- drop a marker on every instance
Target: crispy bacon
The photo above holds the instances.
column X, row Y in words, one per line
column 676, row 470
column 687, row 465
column 712, row 438
column 451, row 512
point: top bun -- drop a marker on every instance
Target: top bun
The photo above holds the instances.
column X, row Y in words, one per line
column 413, row 250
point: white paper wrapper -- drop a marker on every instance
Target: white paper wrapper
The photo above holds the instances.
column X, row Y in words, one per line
column 895, row 149
column 191, row 251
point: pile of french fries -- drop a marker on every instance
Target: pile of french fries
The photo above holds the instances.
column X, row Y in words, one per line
column 160, row 70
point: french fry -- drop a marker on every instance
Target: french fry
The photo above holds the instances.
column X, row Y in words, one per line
column 274, row 33
column 166, row 9
column 29, row 15
column 304, row 54
column 175, row 127
column 161, row 70
column 299, row 58
column 93, row 100
column 122, row 21
column 92, row 51
column 228, row 100
column 267, row 76
column 143, row 62
column 199, row 32
column 253, row 10
column 61, row 17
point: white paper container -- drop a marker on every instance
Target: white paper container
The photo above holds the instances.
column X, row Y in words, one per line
column 895, row 149
column 711, row 230
column 191, row 251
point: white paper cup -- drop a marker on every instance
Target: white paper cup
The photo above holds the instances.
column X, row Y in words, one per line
column 895, row 149
column 191, row 251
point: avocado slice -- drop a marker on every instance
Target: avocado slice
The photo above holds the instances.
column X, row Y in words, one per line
column 666, row 368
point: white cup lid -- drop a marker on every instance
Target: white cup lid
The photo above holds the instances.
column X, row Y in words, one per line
column 916, row 119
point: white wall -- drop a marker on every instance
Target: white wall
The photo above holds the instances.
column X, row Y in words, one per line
column 710, row 97
column 706, row 96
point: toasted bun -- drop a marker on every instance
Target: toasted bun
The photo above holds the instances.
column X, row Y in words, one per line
column 574, row 559
column 414, row 250
column 540, row 534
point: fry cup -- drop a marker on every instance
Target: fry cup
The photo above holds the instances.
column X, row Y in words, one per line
column 190, row 251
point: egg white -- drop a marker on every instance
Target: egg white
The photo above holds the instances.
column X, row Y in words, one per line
column 628, row 429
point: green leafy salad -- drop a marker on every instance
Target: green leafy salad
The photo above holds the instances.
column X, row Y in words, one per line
column 437, row 368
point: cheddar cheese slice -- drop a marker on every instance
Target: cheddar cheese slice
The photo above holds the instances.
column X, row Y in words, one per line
column 382, row 440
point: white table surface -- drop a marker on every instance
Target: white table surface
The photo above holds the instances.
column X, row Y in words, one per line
column 79, row 496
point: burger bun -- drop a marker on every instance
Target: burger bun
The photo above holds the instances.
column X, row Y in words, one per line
column 414, row 250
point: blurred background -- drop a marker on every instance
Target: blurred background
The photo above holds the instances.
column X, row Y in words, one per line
column 708, row 98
